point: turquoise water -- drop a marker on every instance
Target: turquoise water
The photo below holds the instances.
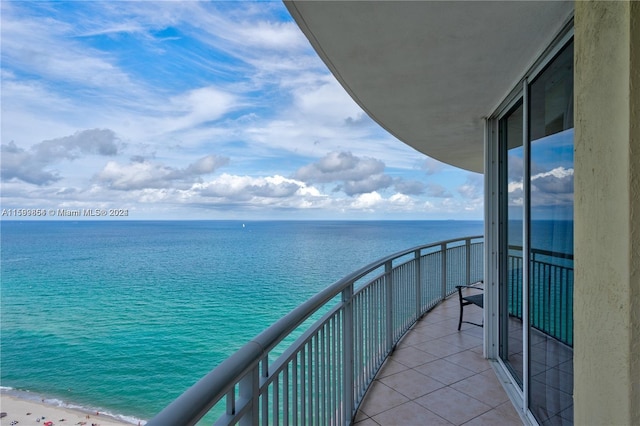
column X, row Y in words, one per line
column 123, row 317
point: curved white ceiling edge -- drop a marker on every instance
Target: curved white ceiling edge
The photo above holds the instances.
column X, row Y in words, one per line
column 429, row 72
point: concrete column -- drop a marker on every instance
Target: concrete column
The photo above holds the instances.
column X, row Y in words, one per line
column 607, row 213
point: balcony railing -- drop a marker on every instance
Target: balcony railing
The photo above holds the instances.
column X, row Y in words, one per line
column 314, row 365
column 550, row 294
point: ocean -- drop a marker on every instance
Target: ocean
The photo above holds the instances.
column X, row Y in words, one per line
column 124, row 316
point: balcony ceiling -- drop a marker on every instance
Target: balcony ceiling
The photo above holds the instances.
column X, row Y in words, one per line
column 428, row 71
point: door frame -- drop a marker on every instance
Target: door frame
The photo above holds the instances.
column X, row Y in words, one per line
column 494, row 232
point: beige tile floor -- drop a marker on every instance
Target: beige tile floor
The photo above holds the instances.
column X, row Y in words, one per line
column 438, row 376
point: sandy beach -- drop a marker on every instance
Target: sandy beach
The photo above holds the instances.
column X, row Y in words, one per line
column 27, row 413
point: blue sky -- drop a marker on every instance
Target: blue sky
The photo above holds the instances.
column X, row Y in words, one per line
column 198, row 110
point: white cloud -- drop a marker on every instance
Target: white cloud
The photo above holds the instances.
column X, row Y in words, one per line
column 472, row 192
column 514, row 186
column 280, row 36
column 205, row 165
column 473, row 188
column 557, row 173
column 340, row 166
column 245, row 187
column 367, row 201
column 438, row 191
column 199, row 106
column 549, row 188
column 322, row 98
column 163, row 86
column 276, row 191
column 401, row 202
column 29, row 165
column 133, row 176
column 432, row 166
column 410, row 187
column 355, row 175
column 145, row 174
column 374, row 202
column 47, row 47
column 22, row 165
column 552, row 188
column 369, row 184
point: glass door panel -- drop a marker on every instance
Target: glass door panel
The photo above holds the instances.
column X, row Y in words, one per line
column 551, row 242
column 511, row 219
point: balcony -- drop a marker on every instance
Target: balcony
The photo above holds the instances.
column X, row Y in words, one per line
column 380, row 346
column 438, row 376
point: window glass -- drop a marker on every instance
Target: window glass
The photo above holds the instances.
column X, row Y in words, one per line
column 511, row 344
column 551, row 242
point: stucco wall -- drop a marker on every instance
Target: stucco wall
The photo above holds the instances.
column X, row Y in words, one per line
column 607, row 216
column 634, row 179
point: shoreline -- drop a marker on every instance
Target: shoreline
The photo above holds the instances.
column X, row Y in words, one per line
column 30, row 411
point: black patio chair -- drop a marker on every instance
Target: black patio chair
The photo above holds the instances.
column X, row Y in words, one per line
column 471, row 299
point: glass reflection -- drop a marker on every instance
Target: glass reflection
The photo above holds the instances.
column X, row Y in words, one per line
column 511, row 346
column 551, row 243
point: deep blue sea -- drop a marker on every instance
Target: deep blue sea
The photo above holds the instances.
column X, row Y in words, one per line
column 123, row 317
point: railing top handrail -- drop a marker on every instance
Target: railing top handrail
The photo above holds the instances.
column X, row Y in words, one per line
column 545, row 252
column 196, row 401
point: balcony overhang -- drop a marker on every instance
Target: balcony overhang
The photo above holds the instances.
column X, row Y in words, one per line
column 429, row 72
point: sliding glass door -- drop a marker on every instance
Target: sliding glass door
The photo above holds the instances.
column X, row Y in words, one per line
column 551, row 242
column 511, row 211
column 535, row 239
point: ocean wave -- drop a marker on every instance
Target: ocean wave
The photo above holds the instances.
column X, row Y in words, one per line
column 41, row 399
column 15, row 259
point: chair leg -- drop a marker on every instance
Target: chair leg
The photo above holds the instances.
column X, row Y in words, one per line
column 461, row 307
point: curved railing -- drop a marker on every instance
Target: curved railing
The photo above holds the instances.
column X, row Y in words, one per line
column 344, row 334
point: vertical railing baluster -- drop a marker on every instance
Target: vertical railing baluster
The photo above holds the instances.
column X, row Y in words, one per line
column 388, row 281
column 231, row 401
column 379, row 319
column 334, row 380
column 249, row 388
column 310, row 382
column 347, row 350
column 276, row 401
column 568, row 321
column 467, row 245
column 357, row 352
column 366, row 349
column 265, row 395
column 372, row 329
column 263, row 402
column 355, row 337
column 443, row 267
column 285, row 394
column 418, row 283
column 323, row 373
column 337, row 383
column 303, row 387
column 294, row 391
column 316, row 374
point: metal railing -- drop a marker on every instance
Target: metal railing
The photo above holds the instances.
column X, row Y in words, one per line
column 321, row 378
column 550, row 291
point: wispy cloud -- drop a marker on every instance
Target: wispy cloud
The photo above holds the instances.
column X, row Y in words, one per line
column 30, row 165
column 145, row 174
column 182, row 108
column 340, row 166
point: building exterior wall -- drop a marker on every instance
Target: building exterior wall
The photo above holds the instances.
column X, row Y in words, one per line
column 634, row 161
column 607, row 214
